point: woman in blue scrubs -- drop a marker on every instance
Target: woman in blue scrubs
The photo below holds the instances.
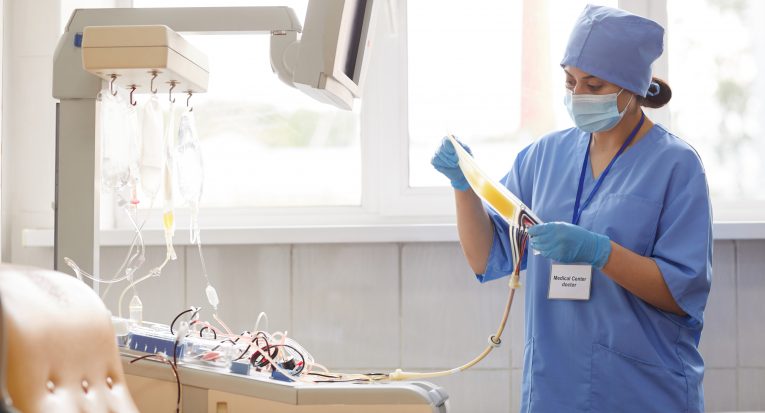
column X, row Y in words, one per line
column 615, row 301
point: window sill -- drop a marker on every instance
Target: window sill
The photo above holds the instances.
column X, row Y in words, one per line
column 333, row 234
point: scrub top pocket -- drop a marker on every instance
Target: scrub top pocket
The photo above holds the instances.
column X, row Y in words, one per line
column 621, row 383
column 629, row 220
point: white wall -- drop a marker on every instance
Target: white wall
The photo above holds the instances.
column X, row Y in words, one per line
column 417, row 306
column 31, row 31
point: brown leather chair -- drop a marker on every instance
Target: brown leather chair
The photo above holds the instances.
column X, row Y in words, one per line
column 59, row 346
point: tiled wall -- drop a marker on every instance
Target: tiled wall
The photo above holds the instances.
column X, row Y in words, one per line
column 417, row 306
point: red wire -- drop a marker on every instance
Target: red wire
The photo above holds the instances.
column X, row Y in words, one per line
column 520, row 255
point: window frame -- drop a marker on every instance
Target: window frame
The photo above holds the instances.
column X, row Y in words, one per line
column 386, row 197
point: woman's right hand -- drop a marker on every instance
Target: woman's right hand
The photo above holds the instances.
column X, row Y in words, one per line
column 445, row 161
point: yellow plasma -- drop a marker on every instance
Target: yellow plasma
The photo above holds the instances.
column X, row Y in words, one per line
column 168, row 219
column 494, row 194
column 490, row 193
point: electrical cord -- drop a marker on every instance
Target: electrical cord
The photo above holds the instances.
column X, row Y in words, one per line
column 173, row 364
column 194, row 315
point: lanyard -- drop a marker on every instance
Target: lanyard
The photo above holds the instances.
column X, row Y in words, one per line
column 577, row 209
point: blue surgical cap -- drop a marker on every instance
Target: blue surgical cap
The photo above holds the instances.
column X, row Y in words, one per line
column 616, row 46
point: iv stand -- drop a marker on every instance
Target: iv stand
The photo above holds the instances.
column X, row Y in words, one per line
column 78, row 149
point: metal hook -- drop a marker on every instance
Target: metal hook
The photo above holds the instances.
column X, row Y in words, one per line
column 111, row 85
column 154, row 74
column 187, row 100
column 170, row 92
column 132, row 89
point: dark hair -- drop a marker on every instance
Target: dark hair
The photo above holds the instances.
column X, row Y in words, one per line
column 660, row 99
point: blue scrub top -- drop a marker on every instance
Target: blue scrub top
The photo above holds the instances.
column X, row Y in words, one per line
column 615, row 352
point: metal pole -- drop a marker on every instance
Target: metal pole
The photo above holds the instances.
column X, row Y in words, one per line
column 78, row 171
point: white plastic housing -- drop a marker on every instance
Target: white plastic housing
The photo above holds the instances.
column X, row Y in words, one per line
column 333, row 50
column 134, row 52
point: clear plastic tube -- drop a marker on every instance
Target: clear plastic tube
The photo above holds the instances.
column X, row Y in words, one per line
column 153, row 148
column 155, row 272
column 139, row 253
column 188, row 160
column 261, row 316
column 190, row 177
column 168, row 214
column 117, row 126
column 133, row 135
column 113, row 130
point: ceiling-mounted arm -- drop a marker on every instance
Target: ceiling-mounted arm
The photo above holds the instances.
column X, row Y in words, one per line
column 70, row 81
column 284, row 55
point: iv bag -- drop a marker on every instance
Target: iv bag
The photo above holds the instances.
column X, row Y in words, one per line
column 115, row 141
column 133, row 135
column 188, row 159
column 170, row 132
column 153, row 148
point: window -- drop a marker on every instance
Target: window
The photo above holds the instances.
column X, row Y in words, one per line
column 465, row 77
column 264, row 143
column 487, row 72
column 717, row 75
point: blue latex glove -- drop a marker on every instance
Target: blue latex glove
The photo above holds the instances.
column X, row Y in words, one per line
column 569, row 243
column 445, row 161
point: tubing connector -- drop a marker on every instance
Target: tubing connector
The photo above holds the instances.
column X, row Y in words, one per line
column 515, row 281
column 495, row 341
column 397, row 375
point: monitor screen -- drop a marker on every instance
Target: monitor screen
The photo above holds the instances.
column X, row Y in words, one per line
column 358, row 11
column 333, row 49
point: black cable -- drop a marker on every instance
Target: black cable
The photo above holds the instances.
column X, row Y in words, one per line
column 241, row 356
column 175, row 373
column 294, row 372
column 341, row 381
column 258, row 360
column 249, row 346
column 329, row 376
column 193, row 310
column 302, row 358
column 224, row 341
column 215, row 335
column 256, row 340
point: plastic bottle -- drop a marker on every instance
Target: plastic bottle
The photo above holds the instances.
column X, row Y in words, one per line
column 136, row 309
column 113, row 127
column 212, row 296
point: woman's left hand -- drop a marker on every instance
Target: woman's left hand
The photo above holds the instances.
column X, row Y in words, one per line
column 568, row 243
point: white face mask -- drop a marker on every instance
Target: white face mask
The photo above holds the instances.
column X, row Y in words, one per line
column 594, row 113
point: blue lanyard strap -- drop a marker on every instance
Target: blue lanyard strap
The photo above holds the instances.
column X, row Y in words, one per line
column 577, row 209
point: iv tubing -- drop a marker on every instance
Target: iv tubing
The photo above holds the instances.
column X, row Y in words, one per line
column 494, row 341
column 153, row 273
column 128, row 258
column 261, row 316
column 222, row 324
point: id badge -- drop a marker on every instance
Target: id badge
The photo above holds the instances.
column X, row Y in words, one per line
column 570, row 282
